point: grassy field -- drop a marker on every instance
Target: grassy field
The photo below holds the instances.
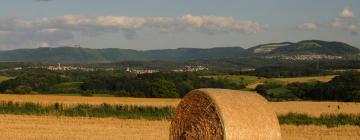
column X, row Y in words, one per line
column 253, row 81
column 315, row 108
column 86, row 110
column 57, row 128
column 281, row 108
column 244, row 79
column 73, row 100
column 4, row 78
column 306, row 79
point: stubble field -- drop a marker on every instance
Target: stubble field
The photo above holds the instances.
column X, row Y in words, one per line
column 58, row 128
column 61, row 127
column 281, row 108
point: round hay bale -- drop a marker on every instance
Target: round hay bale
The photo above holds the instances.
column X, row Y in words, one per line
column 220, row 114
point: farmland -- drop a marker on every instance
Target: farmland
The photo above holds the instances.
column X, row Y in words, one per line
column 4, row 78
column 281, row 108
column 252, row 81
column 38, row 116
column 95, row 128
column 50, row 127
column 73, row 100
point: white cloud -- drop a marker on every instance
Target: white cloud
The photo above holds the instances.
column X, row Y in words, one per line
column 308, row 26
column 52, row 30
column 346, row 21
column 346, row 13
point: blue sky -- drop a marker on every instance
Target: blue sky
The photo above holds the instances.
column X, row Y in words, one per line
column 158, row 24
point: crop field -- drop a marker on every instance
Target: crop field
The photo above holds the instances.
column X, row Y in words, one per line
column 252, row 81
column 64, row 127
column 4, row 78
column 74, row 100
column 56, row 128
column 304, row 107
column 306, row 79
column 316, row 108
column 59, row 128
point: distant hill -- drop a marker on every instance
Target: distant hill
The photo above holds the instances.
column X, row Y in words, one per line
column 86, row 55
column 305, row 47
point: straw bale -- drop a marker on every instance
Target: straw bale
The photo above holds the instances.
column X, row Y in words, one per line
column 218, row 114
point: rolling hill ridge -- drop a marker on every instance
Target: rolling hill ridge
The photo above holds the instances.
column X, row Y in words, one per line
column 86, row 55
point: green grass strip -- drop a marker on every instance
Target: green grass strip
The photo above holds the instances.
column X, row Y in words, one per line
column 155, row 113
column 86, row 110
column 332, row 120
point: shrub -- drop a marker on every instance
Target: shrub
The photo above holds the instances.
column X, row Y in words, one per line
column 23, row 89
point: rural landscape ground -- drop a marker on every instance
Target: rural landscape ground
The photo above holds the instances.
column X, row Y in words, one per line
column 62, row 127
column 59, row 128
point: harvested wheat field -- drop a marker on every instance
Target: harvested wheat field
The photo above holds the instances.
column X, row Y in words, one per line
column 312, row 132
column 316, row 108
column 59, row 128
column 15, row 127
column 71, row 100
column 306, row 107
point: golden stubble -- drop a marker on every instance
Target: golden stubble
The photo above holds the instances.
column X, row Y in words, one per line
column 14, row 127
column 281, row 108
column 74, row 100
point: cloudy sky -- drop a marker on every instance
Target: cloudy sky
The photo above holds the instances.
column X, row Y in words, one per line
column 158, row 24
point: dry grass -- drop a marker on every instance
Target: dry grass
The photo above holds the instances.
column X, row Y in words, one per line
column 306, row 107
column 316, row 108
column 57, row 128
column 70, row 128
column 4, row 78
column 260, row 81
column 71, row 100
column 306, row 79
column 311, row 132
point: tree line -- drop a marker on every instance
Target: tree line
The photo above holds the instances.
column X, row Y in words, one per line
column 345, row 87
column 158, row 85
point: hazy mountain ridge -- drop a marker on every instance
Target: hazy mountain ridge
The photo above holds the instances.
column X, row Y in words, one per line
column 86, row 55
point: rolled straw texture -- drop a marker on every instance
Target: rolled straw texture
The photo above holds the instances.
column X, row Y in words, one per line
column 220, row 114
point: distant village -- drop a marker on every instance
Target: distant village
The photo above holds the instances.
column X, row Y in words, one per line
column 185, row 69
column 69, row 68
column 307, row 57
column 136, row 71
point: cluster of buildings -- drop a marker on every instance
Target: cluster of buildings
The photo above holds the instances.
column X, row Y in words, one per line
column 191, row 69
column 308, row 57
column 68, row 68
column 185, row 69
column 141, row 71
column 7, row 69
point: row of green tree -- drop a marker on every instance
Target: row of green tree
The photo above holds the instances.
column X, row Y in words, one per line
column 345, row 87
column 160, row 85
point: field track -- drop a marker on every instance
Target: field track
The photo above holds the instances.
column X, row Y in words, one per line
column 57, row 128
